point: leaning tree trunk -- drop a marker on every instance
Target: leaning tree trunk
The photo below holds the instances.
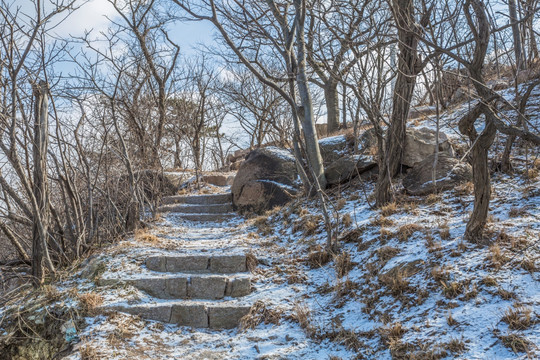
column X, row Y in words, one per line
column 306, row 111
column 518, row 48
column 403, row 92
column 40, row 223
column 332, row 106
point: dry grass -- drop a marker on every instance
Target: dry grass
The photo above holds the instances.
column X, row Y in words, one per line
column 251, row 261
column 457, row 346
column 342, row 264
column 496, row 256
column 90, row 302
column 352, row 236
column 318, row 257
column 433, row 199
column 144, row 236
column 515, row 342
column 346, row 220
column 390, row 334
column 308, row 224
column 440, row 274
column 529, row 265
column 517, row 211
column 518, row 317
column 489, row 281
column 340, row 204
column 386, row 253
column 260, row 313
column 389, row 209
column 397, row 284
column 450, row 320
column 51, row 293
column 302, row 315
column 532, row 174
column 89, row 352
column 405, row 231
column 444, row 232
column 262, row 225
column 345, row 288
column 452, row 289
column 382, row 221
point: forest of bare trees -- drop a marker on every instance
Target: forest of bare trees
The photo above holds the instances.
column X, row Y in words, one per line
column 90, row 124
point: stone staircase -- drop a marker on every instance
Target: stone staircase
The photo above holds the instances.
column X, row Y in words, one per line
column 197, row 288
column 208, row 207
column 201, row 290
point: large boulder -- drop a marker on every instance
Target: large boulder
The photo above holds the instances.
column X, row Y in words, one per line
column 346, row 168
column 367, row 142
column 449, row 172
column 265, row 179
column 219, row 179
column 421, row 143
column 334, row 147
column 261, row 195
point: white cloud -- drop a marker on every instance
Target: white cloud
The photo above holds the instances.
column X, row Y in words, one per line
column 91, row 16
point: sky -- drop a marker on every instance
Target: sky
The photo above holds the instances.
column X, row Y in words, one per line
column 94, row 14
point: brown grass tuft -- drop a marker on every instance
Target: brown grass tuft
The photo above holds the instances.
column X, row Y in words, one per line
column 389, row 209
column 144, row 236
column 346, row 220
column 515, row 342
column 262, row 224
column 318, row 257
column 405, row 231
column 518, row 317
column 90, row 302
column 302, row 315
column 89, row 352
column 251, row 261
column 340, row 204
column 386, row 253
column 342, row 264
column 260, row 313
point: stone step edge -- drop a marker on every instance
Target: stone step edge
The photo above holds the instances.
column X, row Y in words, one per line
column 197, row 209
column 225, row 315
column 204, row 199
column 217, row 264
column 190, row 286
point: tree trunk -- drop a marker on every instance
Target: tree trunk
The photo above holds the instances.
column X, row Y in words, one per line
column 332, row 106
column 518, row 48
column 403, row 91
column 306, row 112
column 344, row 105
column 40, row 226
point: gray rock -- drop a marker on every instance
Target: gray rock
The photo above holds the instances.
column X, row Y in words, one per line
column 449, row 173
column 346, row 168
column 265, row 179
column 226, row 317
column 194, row 315
column 237, row 287
column 421, row 143
column 207, row 287
column 228, row 263
column 335, row 147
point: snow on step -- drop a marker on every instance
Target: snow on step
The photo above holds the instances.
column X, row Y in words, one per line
column 213, row 315
column 197, row 209
column 207, row 217
column 201, row 286
column 202, row 263
column 207, row 199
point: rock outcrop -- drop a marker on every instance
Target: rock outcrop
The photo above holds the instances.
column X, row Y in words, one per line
column 449, row 173
column 346, row 168
column 266, row 179
column 421, row 143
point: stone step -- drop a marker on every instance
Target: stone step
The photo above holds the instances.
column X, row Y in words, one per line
column 199, row 263
column 197, row 209
column 207, row 217
column 212, row 287
column 207, row 199
column 213, row 315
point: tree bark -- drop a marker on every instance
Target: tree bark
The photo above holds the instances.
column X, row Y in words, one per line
column 332, row 106
column 40, row 225
column 403, row 91
column 518, row 48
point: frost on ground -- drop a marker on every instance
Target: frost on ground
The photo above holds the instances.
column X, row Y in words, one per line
column 404, row 285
